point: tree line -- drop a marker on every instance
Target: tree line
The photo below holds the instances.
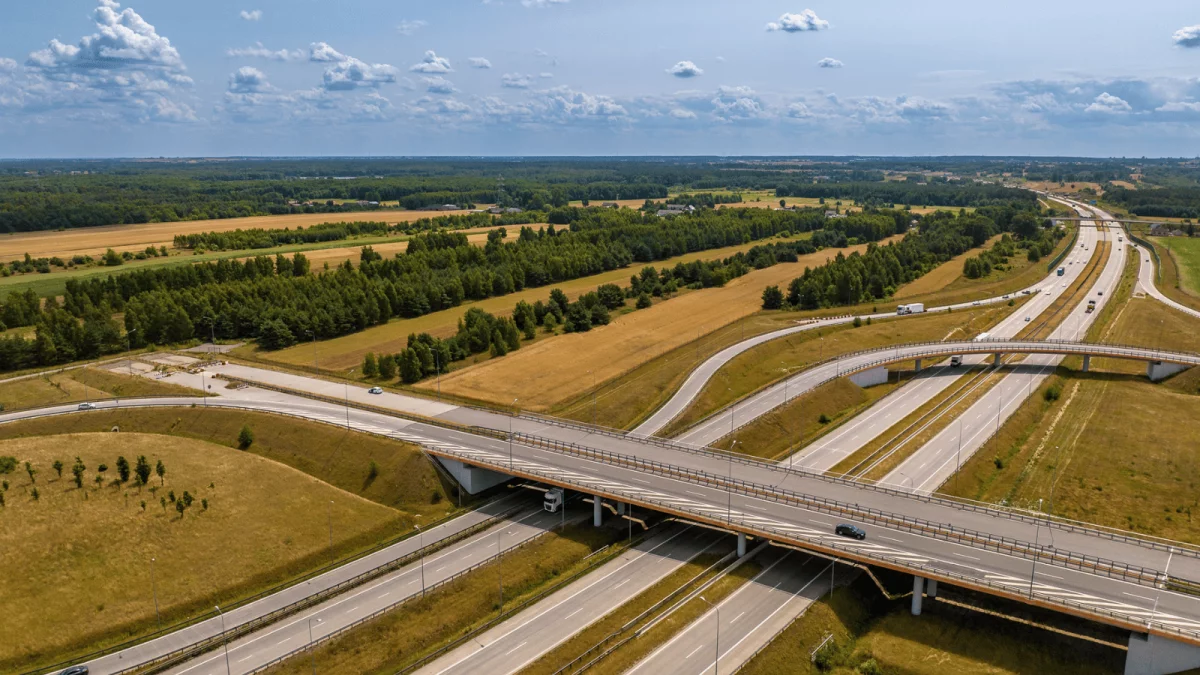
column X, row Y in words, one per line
column 895, row 192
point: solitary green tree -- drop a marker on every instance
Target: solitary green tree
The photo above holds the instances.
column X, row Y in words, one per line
column 35, row 494
column 31, row 471
column 772, row 298
column 123, row 469
column 58, row 467
column 162, row 501
column 78, row 470
column 180, row 507
column 369, row 368
column 245, row 437
column 142, row 470
column 161, row 470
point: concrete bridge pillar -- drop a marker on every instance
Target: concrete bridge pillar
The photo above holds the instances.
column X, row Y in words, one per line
column 741, row 546
column 996, row 359
column 1154, row 655
column 1157, row 370
column 620, row 508
column 918, row 592
column 931, row 588
column 1087, row 362
column 597, row 511
column 918, row 368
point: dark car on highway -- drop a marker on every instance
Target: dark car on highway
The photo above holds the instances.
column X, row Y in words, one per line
column 75, row 670
column 850, row 531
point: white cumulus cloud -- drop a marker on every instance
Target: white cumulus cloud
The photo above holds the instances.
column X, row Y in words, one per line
column 248, row 80
column 347, row 72
column 685, row 69
column 252, row 14
column 438, row 85
column 1188, row 36
column 799, row 23
column 1108, row 104
column 543, row 3
column 432, row 63
column 516, row 81
column 479, row 62
column 681, row 114
column 829, row 63
column 261, row 52
column 408, row 27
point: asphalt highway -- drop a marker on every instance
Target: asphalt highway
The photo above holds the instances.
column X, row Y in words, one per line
column 835, row 446
column 281, row 639
column 931, row 465
column 1146, row 274
column 524, row 638
column 789, row 582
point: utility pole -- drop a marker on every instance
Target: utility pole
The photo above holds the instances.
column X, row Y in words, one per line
column 154, row 588
column 421, row 544
column 729, row 504
column 225, row 640
column 312, row 652
column 510, row 434
column 717, row 655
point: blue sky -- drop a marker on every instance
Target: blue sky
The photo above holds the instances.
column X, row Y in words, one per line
column 83, row 78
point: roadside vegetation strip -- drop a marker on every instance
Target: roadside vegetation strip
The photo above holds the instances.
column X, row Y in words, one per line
column 1173, row 257
column 666, row 627
column 76, row 385
column 764, row 365
column 577, row 653
column 43, row 615
column 1057, row 259
column 798, row 423
column 401, row 638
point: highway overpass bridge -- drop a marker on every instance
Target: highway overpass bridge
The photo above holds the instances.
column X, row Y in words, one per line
column 1159, row 363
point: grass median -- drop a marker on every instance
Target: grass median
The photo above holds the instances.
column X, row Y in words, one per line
column 692, row 573
column 81, row 384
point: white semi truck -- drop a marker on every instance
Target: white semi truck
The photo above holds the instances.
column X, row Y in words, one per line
column 914, row 308
column 553, row 500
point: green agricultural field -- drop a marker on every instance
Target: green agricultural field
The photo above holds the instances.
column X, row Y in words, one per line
column 1186, row 253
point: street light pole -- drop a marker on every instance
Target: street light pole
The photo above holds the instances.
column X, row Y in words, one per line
column 225, row 640
column 329, row 517
column 421, row 543
column 958, row 468
column 312, row 652
column 717, row 654
column 316, row 368
column 500, row 571
column 729, row 486
column 510, row 432
column 1036, row 537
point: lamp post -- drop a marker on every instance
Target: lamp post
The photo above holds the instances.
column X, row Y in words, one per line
column 312, row 652
column 500, row 571
column 129, row 348
column 224, row 640
column 729, row 485
column 421, row 544
column 316, row 368
column 510, row 432
column 329, row 517
column 346, row 389
column 1036, row 537
column 154, row 589
column 717, row 653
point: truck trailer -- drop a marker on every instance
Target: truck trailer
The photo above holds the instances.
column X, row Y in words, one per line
column 914, row 308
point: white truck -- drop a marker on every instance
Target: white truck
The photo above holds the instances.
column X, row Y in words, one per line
column 553, row 500
column 914, row 308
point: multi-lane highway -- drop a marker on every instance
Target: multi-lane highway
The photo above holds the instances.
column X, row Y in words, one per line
column 931, row 465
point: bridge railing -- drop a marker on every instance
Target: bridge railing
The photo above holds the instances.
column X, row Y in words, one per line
column 1040, row 552
column 872, row 556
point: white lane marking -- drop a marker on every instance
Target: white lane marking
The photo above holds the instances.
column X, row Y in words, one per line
column 743, row 613
column 820, row 522
column 968, row 557
column 890, row 539
column 694, row 651
column 1134, row 595
column 516, row 648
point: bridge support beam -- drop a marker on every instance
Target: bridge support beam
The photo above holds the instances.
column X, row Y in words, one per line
column 472, row 478
column 870, row 378
column 918, row 368
column 597, row 511
column 918, row 592
column 931, row 588
column 1157, row 370
column 996, row 359
column 1154, row 655
column 620, row 508
column 1087, row 362
column 741, row 549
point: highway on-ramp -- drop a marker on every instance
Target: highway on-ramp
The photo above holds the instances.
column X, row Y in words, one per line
column 1146, row 281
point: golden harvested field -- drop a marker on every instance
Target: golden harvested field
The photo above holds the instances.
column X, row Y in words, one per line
column 335, row 256
column 1063, row 189
column 92, row 240
column 347, row 352
column 77, row 560
column 555, row 370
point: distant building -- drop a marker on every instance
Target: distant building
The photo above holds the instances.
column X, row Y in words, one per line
column 513, row 209
column 662, row 213
column 445, row 207
column 610, row 205
column 834, row 214
column 495, row 210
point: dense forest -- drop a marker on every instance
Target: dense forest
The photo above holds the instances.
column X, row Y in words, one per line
column 877, row 273
column 896, row 192
column 1172, row 202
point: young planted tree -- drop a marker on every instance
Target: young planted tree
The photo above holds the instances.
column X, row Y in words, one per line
column 35, row 494
column 77, row 470
column 123, row 469
column 187, row 499
column 161, row 470
column 387, row 367
column 142, row 470
column 369, row 367
column 32, row 472
column 245, row 437
column 58, row 467
column 180, row 507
